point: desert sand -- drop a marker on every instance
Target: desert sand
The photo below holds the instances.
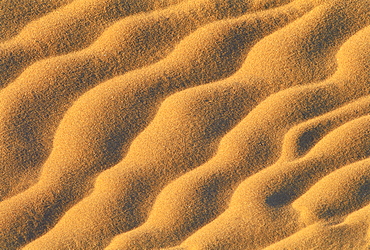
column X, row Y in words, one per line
column 185, row 124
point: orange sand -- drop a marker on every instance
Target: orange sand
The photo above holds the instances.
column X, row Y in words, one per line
column 185, row 124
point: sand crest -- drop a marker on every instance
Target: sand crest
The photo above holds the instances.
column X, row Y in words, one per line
column 184, row 124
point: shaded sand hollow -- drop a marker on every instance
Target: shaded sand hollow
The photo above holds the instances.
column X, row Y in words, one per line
column 184, row 124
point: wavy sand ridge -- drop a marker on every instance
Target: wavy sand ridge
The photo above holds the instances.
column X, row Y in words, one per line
column 332, row 199
column 123, row 47
column 173, row 127
column 78, row 24
column 139, row 86
column 14, row 15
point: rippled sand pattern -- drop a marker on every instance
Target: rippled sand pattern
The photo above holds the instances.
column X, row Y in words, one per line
column 184, row 124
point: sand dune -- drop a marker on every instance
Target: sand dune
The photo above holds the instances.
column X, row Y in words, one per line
column 184, row 124
column 77, row 25
column 186, row 199
column 258, row 205
column 301, row 138
column 141, row 90
column 331, row 199
column 120, row 49
column 16, row 14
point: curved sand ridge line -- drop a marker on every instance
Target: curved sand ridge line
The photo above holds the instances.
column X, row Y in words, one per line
column 123, row 195
column 199, row 196
column 69, row 28
column 259, row 208
column 14, row 15
column 49, row 87
column 260, row 212
column 98, row 148
column 329, row 203
column 78, row 24
column 196, row 197
column 108, row 203
column 301, row 138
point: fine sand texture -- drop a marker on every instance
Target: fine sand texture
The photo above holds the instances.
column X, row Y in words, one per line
column 184, row 124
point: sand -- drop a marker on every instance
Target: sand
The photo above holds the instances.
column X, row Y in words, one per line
column 184, row 124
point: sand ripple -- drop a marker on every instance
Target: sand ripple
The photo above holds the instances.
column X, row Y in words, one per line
column 185, row 124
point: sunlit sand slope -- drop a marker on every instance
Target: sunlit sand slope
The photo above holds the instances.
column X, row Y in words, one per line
column 185, row 124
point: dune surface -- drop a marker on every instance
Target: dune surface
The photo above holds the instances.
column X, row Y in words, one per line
column 185, row 124
column 58, row 81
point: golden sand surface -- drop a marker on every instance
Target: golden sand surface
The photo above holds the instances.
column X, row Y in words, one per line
column 184, row 124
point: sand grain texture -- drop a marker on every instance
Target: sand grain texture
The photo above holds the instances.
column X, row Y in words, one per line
column 185, row 124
